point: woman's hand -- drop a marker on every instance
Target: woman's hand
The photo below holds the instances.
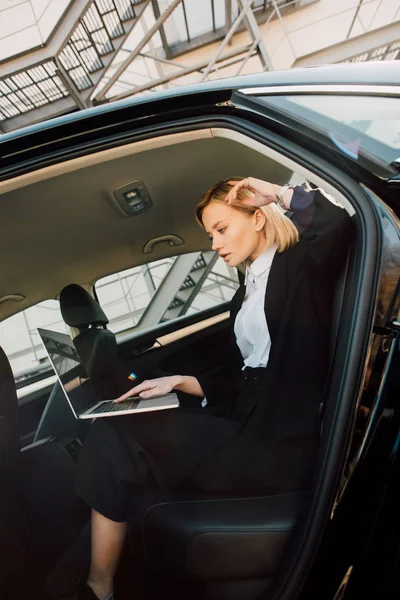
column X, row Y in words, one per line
column 152, row 387
column 264, row 192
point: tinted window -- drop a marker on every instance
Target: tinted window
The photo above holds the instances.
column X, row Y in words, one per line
column 365, row 128
column 20, row 341
column 192, row 283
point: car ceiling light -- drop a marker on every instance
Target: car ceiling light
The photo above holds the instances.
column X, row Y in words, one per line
column 133, row 198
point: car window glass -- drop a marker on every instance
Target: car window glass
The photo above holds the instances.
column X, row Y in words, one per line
column 20, row 341
column 195, row 282
column 362, row 127
column 124, row 297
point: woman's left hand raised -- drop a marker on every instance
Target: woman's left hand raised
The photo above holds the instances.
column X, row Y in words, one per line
column 264, row 192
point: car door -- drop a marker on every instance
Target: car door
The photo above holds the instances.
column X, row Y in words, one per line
column 356, row 130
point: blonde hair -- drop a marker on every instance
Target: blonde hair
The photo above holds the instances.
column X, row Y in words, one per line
column 278, row 229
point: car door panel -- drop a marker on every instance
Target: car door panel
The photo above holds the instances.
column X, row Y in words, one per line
column 191, row 354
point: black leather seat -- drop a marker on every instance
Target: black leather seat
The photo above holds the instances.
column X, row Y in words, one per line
column 95, row 344
column 220, row 548
column 37, row 504
column 221, row 539
column 13, row 523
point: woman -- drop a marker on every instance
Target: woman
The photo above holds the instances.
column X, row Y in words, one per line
column 258, row 430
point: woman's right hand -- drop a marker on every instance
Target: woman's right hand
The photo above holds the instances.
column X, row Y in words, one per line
column 152, row 387
column 264, row 192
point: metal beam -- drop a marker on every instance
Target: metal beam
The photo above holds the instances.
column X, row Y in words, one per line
column 168, row 290
column 69, row 84
column 199, row 276
column 47, row 111
column 228, row 17
column 180, row 48
column 164, row 40
column 255, row 33
column 354, row 19
column 122, row 67
column 353, row 47
column 80, row 99
column 172, row 76
column 216, row 58
column 148, row 278
column 107, row 60
column 245, row 60
column 282, row 22
column 232, row 62
column 158, row 64
column 230, row 282
column 165, row 61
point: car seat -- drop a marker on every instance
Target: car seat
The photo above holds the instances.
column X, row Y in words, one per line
column 95, row 344
column 38, row 516
column 13, row 524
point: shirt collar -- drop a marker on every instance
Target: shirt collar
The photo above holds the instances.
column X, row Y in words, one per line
column 261, row 264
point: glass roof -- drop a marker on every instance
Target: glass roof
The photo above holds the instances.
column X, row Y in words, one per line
column 85, row 67
column 91, row 41
column 27, row 24
column 30, row 89
column 192, row 23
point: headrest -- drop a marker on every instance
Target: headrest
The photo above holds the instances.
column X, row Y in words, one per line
column 79, row 309
column 5, row 368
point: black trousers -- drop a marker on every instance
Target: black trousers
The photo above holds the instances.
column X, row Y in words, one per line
column 179, row 450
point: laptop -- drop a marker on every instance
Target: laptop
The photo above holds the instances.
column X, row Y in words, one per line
column 79, row 390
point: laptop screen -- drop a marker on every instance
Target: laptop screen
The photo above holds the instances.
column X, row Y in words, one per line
column 69, row 370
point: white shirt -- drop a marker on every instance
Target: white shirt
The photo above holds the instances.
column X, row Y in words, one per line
column 251, row 329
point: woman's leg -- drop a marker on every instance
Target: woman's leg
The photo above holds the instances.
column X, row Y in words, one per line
column 154, row 451
column 107, row 541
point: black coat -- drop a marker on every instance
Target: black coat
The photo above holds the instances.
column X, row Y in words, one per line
column 281, row 428
column 259, row 437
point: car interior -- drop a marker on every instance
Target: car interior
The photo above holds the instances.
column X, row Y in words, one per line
column 62, row 230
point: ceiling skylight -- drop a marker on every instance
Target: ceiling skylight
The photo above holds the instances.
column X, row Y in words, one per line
column 27, row 24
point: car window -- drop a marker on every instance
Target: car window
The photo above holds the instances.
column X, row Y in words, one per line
column 191, row 283
column 20, row 341
column 124, row 297
column 365, row 128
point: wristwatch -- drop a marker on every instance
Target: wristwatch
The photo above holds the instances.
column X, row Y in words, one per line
column 281, row 194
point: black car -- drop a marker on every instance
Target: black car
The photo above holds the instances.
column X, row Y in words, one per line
column 95, row 193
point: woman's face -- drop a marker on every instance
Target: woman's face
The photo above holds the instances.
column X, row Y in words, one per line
column 235, row 235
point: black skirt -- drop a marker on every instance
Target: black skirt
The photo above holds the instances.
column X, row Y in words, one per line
column 178, row 450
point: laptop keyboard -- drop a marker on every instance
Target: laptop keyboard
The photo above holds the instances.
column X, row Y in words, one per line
column 114, row 406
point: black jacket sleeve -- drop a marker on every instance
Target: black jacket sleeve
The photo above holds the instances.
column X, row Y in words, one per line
column 217, row 386
column 326, row 229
